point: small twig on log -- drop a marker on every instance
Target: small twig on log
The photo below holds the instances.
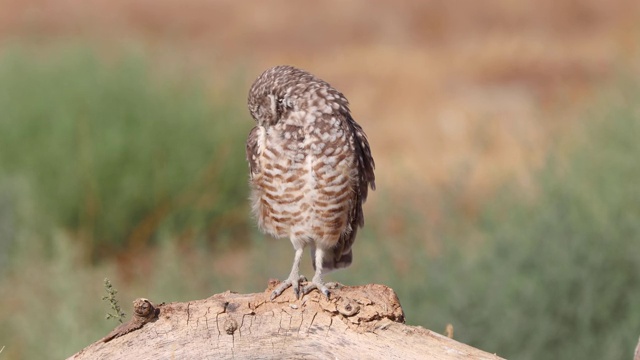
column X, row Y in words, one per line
column 143, row 312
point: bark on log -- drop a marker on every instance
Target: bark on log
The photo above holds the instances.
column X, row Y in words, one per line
column 360, row 322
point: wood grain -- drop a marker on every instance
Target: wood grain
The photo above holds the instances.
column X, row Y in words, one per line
column 361, row 322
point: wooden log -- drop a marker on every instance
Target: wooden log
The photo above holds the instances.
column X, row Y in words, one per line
column 360, row 322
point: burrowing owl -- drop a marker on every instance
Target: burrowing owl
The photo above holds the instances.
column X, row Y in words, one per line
column 310, row 169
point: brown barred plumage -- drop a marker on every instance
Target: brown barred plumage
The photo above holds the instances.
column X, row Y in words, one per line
column 310, row 169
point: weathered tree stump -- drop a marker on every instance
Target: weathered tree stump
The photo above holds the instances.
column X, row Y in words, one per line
column 360, row 322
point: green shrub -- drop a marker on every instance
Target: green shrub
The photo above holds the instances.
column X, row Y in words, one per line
column 113, row 154
column 557, row 277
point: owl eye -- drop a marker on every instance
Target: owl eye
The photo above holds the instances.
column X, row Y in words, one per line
column 282, row 104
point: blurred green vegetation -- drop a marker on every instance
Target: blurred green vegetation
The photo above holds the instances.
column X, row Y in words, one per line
column 115, row 155
column 93, row 150
column 554, row 274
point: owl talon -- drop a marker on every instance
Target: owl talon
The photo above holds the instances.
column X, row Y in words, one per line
column 297, row 289
column 333, row 285
column 326, row 293
column 280, row 289
column 274, row 295
column 317, row 285
column 287, row 284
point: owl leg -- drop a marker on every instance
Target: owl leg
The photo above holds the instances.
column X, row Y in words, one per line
column 294, row 278
column 316, row 282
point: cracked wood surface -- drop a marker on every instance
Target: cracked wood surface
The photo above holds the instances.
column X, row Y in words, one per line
column 360, row 322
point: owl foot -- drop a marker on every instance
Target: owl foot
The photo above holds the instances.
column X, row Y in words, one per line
column 322, row 287
column 295, row 282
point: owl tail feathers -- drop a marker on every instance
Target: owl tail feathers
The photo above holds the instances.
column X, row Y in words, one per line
column 342, row 262
column 333, row 261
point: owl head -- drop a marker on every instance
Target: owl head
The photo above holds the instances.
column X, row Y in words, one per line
column 266, row 100
column 285, row 88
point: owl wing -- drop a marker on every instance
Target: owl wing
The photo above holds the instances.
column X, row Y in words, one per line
column 366, row 165
column 342, row 253
column 252, row 152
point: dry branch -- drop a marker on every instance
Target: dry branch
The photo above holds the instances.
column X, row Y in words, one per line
column 361, row 322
